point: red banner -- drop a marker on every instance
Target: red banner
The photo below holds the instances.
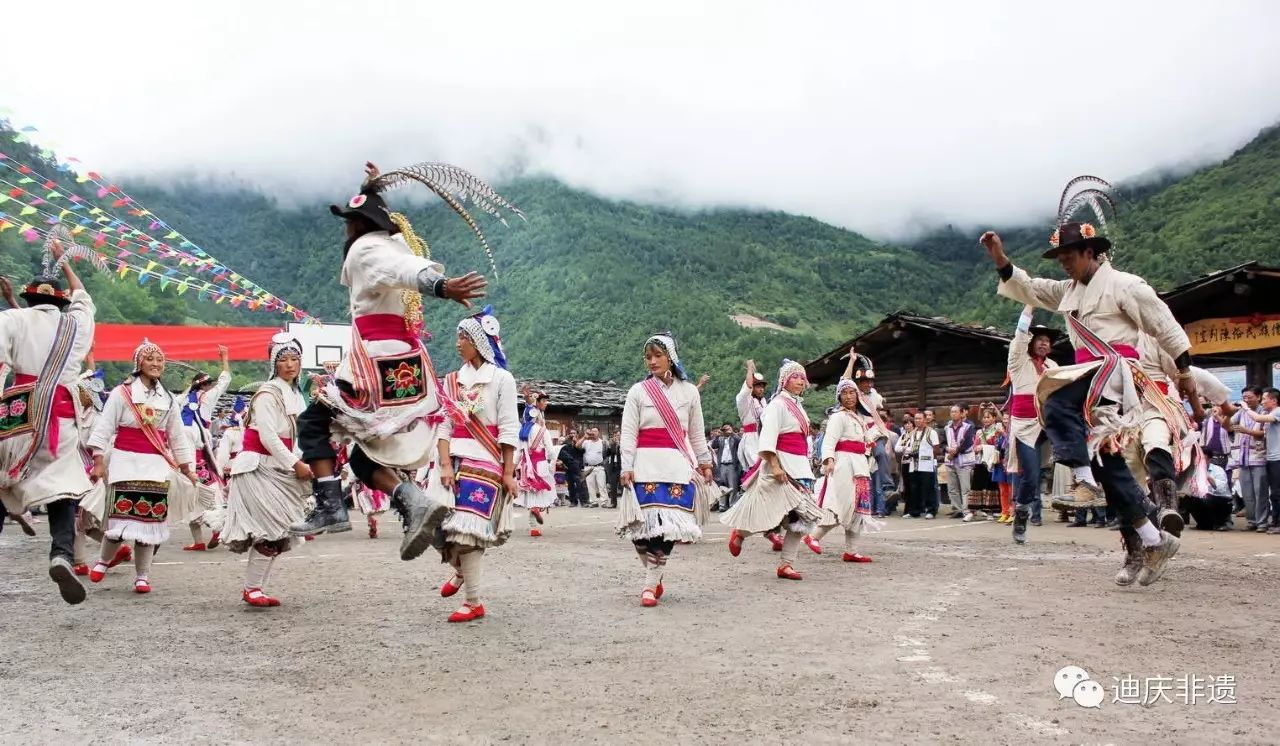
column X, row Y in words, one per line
column 116, row 342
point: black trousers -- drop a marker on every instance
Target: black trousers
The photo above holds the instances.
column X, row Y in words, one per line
column 1063, row 414
column 655, row 545
column 315, row 438
column 62, row 528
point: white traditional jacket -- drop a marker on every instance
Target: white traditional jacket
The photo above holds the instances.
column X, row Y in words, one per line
column 273, row 417
column 849, row 426
column 663, row 464
column 127, row 466
column 1024, row 376
column 490, row 392
column 777, row 421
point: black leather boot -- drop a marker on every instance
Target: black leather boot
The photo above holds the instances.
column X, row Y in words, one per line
column 1165, row 492
column 424, row 518
column 1020, row 516
column 329, row 515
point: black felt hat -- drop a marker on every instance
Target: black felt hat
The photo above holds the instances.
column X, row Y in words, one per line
column 45, row 290
column 370, row 206
column 1076, row 237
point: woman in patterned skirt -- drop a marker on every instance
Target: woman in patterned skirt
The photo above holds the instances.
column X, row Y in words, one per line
column 664, row 456
column 476, row 458
column 139, row 416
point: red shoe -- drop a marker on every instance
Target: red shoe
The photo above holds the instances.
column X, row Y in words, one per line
column 141, row 586
column 310, row 537
column 855, row 557
column 373, row 528
column 80, row 569
column 467, row 613
column 98, row 572
column 215, row 541
column 775, row 540
column 537, row 514
column 535, row 532
column 197, row 547
column 657, row 592
column 449, row 588
column 787, row 573
column 735, row 542
column 255, row 597
column 813, row 544
column 123, row 554
column 648, row 599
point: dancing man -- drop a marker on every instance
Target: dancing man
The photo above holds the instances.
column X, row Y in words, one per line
column 40, row 464
column 385, row 388
column 1089, row 409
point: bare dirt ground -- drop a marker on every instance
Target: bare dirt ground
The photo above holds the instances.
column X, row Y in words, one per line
column 953, row 635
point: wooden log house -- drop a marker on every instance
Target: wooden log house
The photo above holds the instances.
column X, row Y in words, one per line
column 924, row 362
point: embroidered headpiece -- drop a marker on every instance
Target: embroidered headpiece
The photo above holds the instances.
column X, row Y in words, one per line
column 790, row 369
column 667, row 342
column 281, row 343
column 844, row 385
column 1070, row 234
column 484, row 330
column 146, row 348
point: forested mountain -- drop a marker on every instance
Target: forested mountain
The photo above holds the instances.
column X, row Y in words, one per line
column 585, row 279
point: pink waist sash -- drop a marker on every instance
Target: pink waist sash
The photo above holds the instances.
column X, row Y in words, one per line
column 377, row 327
column 253, row 443
column 794, row 444
column 654, row 437
column 1023, row 406
column 63, row 407
column 460, row 432
column 851, row 446
column 133, row 440
column 1084, row 356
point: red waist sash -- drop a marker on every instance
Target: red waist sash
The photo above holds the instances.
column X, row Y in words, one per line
column 851, row 446
column 654, row 437
column 752, row 428
column 460, row 432
column 377, row 327
column 537, row 456
column 1084, row 356
column 1023, row 406
column 63, row 407
column 133, row 440
column 253, row 443
column 794, row 444
column 62, row 404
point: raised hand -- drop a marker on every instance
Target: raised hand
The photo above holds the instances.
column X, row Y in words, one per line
column 995, row 247
column 466, row 288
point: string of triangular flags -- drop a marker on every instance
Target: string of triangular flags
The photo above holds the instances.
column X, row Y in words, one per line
column 35, row 202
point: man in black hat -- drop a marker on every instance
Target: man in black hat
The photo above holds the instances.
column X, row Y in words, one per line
column 1028, row 360
column 384, row 390
column 40, row 462
column 1087, row 407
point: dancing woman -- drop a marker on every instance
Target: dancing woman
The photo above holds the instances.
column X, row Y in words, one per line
column 779, row 488
column 141, row 426
column 476, row 461
column 664, row 456
column 269, row 480
column 537, row 483
column 844, row 490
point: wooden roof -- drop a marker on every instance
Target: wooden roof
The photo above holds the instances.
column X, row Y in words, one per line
column 826, row 368
column 1242, row 290
column 579, row 394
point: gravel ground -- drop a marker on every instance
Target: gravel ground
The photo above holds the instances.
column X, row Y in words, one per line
column 953, row 634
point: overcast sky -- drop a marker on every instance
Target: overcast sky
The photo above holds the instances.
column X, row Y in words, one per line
column 872, row 116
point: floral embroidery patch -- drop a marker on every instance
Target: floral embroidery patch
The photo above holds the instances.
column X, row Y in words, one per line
column 401, row 379
column 15, row 412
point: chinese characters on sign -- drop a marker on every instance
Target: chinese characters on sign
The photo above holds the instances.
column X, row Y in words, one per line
column 1209, row 336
